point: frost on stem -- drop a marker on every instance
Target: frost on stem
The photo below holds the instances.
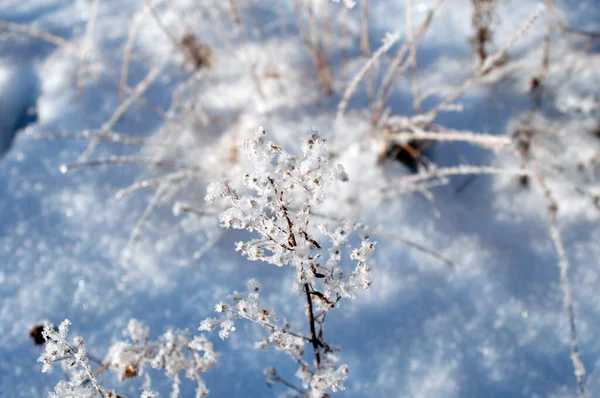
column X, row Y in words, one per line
column 173, row 352
column 82, row 382
column 280, row 192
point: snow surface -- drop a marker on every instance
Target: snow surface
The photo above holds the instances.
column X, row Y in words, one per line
column 492, row 325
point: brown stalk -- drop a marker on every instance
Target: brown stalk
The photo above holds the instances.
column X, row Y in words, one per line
column 384, row 91
column 313, row 332
column 490, row 63
column 314, row 47
column 243, row 37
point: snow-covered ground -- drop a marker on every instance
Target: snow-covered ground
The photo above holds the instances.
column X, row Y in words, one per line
column 76, row 243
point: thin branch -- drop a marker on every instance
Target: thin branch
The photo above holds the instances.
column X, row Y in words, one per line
column 152, row 9
column 388, row 42
column 37, row 33
column 364, row 28
column 141, row 224
column 276, row 378
column 384, row 91
column 314, row 47
column 482, row 140
column 87, row 44
column 171, row 178
column 490, row 63
column 116, row 160
column 563, row 265
column 137, row 92
column 412, row 58
column 128, row 51
column 88, row 370
column 87, row 135
column 391, row 236
column 313, row 333
column 385, row 234
column 197, row 255
column 453, row 171
column 422, row 188
column 562, row 24
column 179, row 207
column 365, row 48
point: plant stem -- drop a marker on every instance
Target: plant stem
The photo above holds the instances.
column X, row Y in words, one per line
column 313, row 332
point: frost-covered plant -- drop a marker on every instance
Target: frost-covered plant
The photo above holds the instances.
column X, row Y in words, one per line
column 174, row 351
column 283, row 191
column 82, row 382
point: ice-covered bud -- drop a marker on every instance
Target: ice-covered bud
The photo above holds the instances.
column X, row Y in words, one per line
column 227, row 327
column 365, row 250
column 221, row 307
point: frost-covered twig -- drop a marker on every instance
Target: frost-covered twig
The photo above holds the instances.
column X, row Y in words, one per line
column 411, row 243
column 386, row 84
column 128, row 51
column 388, row 41
column 395, row 237
column 116, row 160
column 489, row 63
column 482, row 140
column 176, row 177
column 173, row 352
column 34, row 32
column 452, row 171
column 135, row 95
column 312, row 39
column 563, row 265
column 109, row 136
column 87, row 46
column 59, row 349
column 274, row 377
column 153, row 203
column 412, row 57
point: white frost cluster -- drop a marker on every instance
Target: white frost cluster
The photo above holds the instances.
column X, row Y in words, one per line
column 247, row 306
column 329, row 378
column 280, row 196
column 285, row 190
column 81, row 381
column 174, row 352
